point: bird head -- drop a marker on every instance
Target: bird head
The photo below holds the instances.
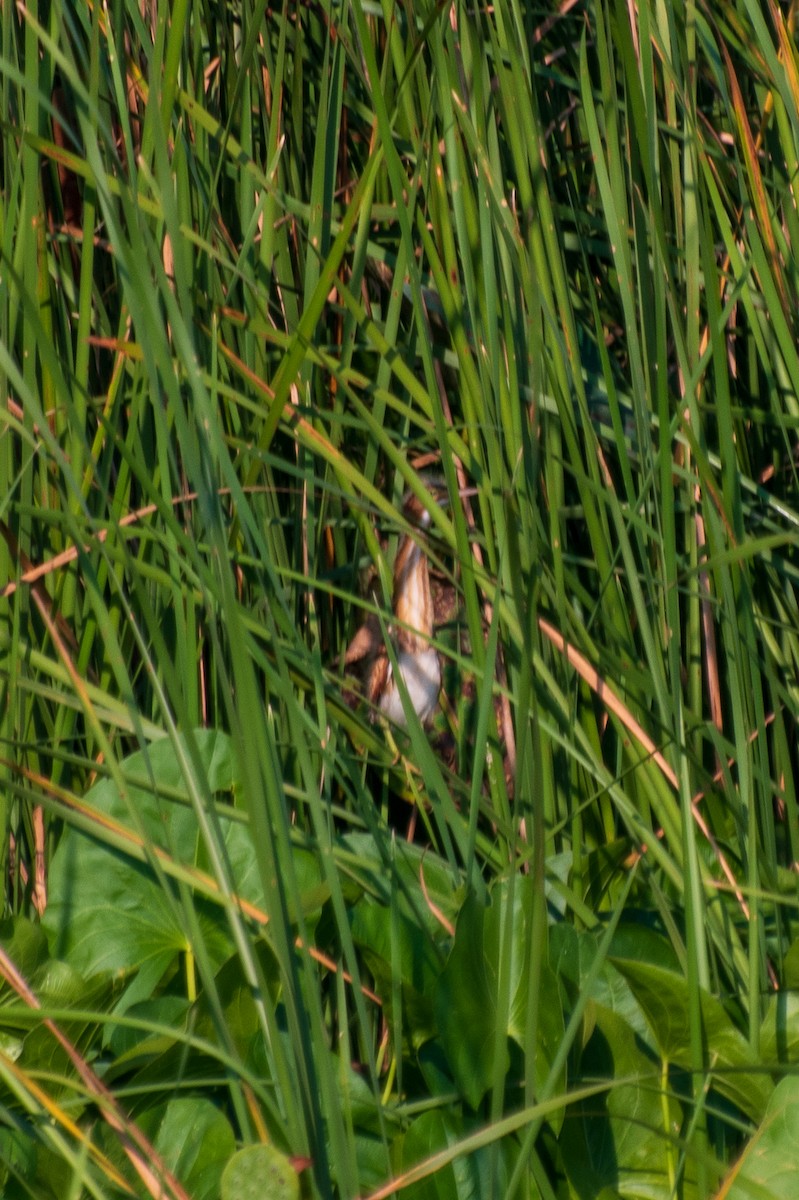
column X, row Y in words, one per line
column 417, row 513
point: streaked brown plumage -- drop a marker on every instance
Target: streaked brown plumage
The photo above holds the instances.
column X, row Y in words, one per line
column 411, row 637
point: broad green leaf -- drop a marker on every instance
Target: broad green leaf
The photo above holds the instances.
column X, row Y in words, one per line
column 490, row 958
column 26, row 946
column 572, row 952
column 625, row 1140
column 398, row 951
column 18, row 1156
column 769, row 1166
column 466, row 1006
column 129, row 1045
column 107, row 911
column 420, row 881
column 260, row 1173
column 663, row 996
column 195, row 1140
column 779, row 1032
column 429, row 1133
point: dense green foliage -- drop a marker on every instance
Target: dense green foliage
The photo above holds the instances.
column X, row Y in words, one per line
column 258, row 270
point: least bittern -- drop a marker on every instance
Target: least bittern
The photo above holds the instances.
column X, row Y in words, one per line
column 414, row 653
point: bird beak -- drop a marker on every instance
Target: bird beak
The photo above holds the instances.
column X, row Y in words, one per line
column 437, row 487
column 444, row 499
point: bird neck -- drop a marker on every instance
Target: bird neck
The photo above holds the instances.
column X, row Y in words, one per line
column 413, row 605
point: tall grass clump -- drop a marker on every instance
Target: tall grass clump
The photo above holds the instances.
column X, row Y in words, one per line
column 260, row 270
